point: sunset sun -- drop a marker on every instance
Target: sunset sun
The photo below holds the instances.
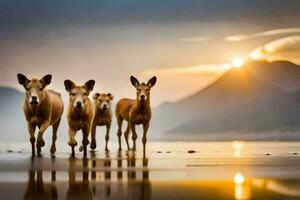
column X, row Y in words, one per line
column 237, row 62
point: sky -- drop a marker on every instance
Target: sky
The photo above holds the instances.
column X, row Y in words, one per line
column 187, row 44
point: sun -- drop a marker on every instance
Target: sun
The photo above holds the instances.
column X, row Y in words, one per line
column 239, row 178
column 237, row 62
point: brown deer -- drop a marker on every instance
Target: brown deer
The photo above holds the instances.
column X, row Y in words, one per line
column 42, row 108
column 103, row 116
column 135, row 111
column 80, row 112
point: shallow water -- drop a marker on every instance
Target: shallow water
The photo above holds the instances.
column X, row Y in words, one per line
column 170, row 170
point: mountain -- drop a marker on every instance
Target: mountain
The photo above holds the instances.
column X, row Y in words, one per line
column 12, row 119
column 259, row 97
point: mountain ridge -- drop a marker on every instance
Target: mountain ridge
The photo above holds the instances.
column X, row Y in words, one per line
column 254, row 88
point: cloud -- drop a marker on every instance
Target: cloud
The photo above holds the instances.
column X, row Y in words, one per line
column 236, row 38
column 242, row 37
column 201, row 69
column 287, row 48
column 195, row 39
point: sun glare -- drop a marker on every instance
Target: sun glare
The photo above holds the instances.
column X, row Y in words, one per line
column 238, row 178
column 237, row 62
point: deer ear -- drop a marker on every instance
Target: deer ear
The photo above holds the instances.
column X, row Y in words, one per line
column 89, row 85
column 96, row 95
column 134, row 81
column 110, row 96
column 23, row 80
column 69, row 85
column 46, row 80
column 152, row 81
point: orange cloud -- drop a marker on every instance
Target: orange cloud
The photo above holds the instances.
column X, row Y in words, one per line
column 287, row 48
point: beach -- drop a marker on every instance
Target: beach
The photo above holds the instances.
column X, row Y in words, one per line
column 170, row 170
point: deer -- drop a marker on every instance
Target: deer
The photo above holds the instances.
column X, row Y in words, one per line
column 80, row 113
column 135, row 112
column 102, row 117
column 42, row 108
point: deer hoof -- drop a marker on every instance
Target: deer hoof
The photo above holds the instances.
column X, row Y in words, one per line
column 93, row 145
column 40, row 142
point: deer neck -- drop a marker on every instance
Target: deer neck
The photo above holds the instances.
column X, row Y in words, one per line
column 101, row 111
column 33, row 108
column 143, row 106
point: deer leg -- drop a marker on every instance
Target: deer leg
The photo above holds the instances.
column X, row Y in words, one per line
column 119, row 133
column 54, row 136
column 40, row 141
column 107, row 135
column 72, row 142
column 85, row 140
column 93, row 144
column 126, row 134
column 134, row 136
column 31, row 129
column 144, row 139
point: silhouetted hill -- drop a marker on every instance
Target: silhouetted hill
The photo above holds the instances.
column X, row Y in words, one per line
column 12, row 119
column 259, row 97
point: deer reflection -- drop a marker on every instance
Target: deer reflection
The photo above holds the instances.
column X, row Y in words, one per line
column 127, row 187
column 138, row 189
column 100, row 186
column 101, row 191
column 79, row 189
column 36, row 188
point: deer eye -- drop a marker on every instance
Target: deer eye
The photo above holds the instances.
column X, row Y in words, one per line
column 41, row 89
column 72, row 94
column 85, row 94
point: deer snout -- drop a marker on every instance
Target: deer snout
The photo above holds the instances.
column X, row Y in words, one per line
column 78, row 105
column 143, row 97
column 34, row 100
column 104, row 106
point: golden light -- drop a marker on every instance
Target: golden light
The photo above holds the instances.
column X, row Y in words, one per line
column 242, row 189
column 238, row 178
column 237, row 62
column 237, row 148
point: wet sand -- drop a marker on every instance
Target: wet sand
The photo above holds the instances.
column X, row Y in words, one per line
column 174, row 170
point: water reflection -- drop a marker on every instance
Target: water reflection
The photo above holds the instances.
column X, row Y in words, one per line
column 79, row 189
column 237, row 148
column 288, row 188
column 92, row 178
column 242, row 190
column 36, row 189
column 138, row 189
column 124, row 175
